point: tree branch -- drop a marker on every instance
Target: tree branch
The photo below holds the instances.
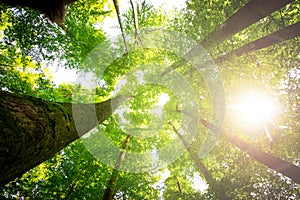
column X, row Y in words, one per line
column 116, row 4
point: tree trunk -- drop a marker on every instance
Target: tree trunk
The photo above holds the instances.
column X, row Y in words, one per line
column 55, row 10
column 282, row 35
column 250, row 13
column 33, row 130
column 110, row 190
column 285, row 168
column 219, row 189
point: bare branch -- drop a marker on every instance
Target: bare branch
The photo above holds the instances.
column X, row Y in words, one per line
column 116, row 4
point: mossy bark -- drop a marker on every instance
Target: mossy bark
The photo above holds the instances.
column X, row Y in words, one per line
column 33, row 130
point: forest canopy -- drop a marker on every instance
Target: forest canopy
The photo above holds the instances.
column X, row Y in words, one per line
column 143, row 99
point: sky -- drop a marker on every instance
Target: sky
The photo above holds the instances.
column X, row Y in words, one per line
column 110, row 24
column 111, row 27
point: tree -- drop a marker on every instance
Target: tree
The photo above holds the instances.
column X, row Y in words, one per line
column 116, row 4
column 75, row 171
column 282, row 35
column 43, row 128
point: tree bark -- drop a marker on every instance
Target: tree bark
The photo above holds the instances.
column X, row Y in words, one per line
column 285, row 168
column 33, row 130
column 55, row 10
column 110, row 190
column 282, row 35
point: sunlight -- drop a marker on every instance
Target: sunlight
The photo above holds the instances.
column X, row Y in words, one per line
column 60, row 74
column 199, row 183
column 163, row 99
column 255, row 108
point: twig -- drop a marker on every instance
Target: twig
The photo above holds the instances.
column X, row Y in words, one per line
column 136, row 22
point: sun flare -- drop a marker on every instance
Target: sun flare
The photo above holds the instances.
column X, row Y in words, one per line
column 255, row 108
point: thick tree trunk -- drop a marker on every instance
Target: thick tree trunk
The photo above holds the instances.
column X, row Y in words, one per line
column 33, row 130
column 219, row 189
column 250, row 13
column 282, row 35
column 55, row 10
column 110, row 190
column 285, row 168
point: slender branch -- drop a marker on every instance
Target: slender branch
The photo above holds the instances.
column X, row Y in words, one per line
column 116, row 4
column 136, row 22
column 280, row 24
column 179, row 186
column 282, row 18
column 135, row 18
column 123, row 152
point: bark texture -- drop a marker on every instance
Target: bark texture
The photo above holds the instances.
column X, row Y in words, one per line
column 55, row 10
column 33, row 130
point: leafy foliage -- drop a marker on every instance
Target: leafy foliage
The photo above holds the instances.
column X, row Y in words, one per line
column 28, row 40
